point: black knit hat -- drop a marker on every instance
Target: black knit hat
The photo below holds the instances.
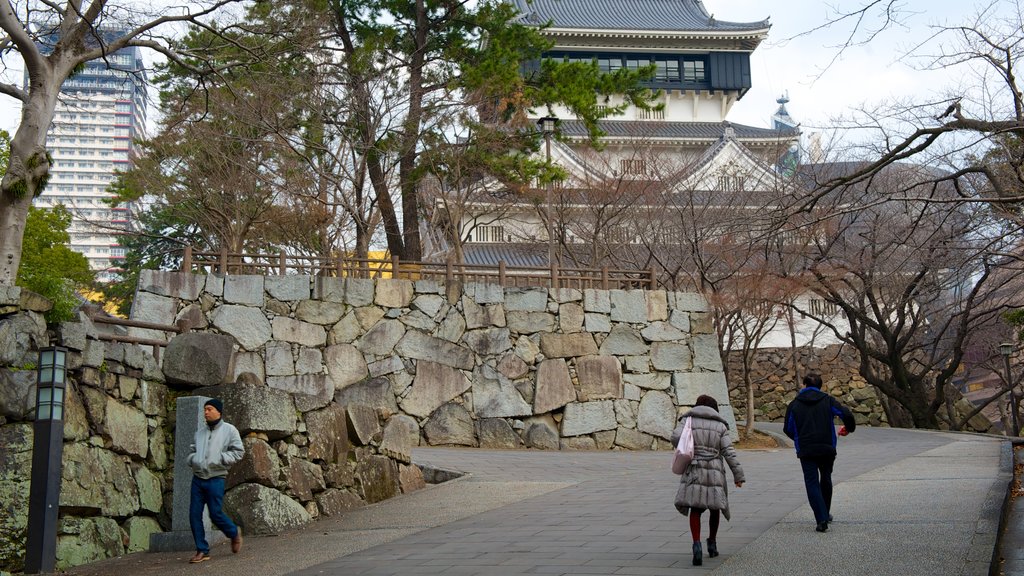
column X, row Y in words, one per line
column 216, row 403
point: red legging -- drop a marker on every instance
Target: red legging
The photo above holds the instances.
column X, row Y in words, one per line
column 713, row 521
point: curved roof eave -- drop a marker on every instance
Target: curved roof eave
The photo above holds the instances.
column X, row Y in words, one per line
column 755, row 34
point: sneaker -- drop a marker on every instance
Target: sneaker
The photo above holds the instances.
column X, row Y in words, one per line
column 822, row 527
column 829, row 517
column 199, row 557
column 236, row 542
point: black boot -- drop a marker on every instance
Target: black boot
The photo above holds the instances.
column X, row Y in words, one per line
column 712, row 548
column 698, row 554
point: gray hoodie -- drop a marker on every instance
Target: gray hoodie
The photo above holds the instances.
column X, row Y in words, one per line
column 215, row 450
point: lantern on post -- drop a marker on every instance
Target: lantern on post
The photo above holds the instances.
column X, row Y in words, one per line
column 47, row 450
column 547, row 126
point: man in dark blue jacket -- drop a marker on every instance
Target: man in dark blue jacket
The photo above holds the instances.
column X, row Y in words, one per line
column 810, row 422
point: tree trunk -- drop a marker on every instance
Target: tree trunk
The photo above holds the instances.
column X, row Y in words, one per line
column 27, row 172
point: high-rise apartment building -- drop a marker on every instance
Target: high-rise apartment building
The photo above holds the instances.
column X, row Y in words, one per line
column 100, row 115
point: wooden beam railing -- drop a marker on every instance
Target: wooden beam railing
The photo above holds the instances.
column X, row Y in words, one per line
column 129, row 339
column 281, row 264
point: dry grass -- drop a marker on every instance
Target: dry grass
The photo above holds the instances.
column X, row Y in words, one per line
column 756, row 441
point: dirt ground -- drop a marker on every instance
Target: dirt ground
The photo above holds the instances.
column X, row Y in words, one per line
column 757, row 441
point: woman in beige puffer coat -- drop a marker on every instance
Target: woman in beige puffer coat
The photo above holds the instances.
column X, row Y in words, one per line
column 703, row 485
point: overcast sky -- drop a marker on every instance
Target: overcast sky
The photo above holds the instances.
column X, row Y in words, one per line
column 862, row 75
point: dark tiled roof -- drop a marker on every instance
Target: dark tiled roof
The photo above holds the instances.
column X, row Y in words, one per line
column 531, row 255
column 646, row 15
column 675, row 130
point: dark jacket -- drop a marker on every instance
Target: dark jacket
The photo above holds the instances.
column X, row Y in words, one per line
column 810, row 422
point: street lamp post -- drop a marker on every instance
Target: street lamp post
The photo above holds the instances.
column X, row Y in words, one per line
column 47, row 449
column 547, row 126
column 1006, row 349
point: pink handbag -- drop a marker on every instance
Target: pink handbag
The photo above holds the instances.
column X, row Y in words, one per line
column 684, row 450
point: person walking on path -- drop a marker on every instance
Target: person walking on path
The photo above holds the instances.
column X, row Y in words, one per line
column 703, row 484
column 217, row 447
column 810, row 423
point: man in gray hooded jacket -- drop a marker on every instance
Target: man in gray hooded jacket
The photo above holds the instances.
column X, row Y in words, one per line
column 218, row 446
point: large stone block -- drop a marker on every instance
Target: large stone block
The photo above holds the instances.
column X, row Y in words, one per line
column 256, row 408
column 20, row 336
column 375, row 392
column 139, row 530
column 567, row 345
column 526, row 299
column 378, row 478
column 319, row 312
column 494, row 396
column 345, row 365
column 420, row 346
column 288, row 288
column 351, row 291
column 657, row 414
column 628, row 306
column 488, row 341
column 97, row 481
column 15, row 477
column 600, row 377
column 394, row 293
column 434, row 385
column 183, row 285
column 522, row 322
column 17, row 393
column 304, row 333
column 495, row 433
column 363, row 424
column 670, row 356
column 260, row 464
column 401, row 435
column 691, row 385
column 302, row 478
column 198, row 359
column 624, row 340
column 84, row 540
column 246, row 290
column 450, row 424
column 588, row 417
column 248, row 326
column 263, row 511
column 554, row 387
column 333, row 502
column 127, row 429
column 542, row 433
column 381, row 339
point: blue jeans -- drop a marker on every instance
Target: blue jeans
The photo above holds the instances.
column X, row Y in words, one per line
column 818, row 481
column 208, row 493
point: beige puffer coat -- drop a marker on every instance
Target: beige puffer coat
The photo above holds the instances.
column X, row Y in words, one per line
column 704, row 485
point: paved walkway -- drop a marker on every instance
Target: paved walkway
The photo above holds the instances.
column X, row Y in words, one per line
column 907, row 503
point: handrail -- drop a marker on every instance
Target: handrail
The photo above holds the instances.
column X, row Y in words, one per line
column 503, row 274
column 179, row 328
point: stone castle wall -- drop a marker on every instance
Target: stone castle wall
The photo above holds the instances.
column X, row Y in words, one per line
column 304, row 457
column 474, row 365
column 776, row 383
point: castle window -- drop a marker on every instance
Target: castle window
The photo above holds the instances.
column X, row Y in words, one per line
column 693, row 71
column 668, row 71
column 490, row 233
column 820, row 307
column 633, row 167
column 642, row 114
column 729, row 183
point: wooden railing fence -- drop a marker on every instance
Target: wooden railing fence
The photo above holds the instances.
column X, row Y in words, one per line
column 129, row 339
column 282, row 264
